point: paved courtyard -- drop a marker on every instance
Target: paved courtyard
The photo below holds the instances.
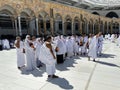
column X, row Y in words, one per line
column 75, row 74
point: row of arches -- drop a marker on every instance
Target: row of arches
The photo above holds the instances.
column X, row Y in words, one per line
column 27, row 23
column 110, row 14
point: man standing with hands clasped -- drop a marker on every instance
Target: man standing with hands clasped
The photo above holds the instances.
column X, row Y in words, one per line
column 47, row 56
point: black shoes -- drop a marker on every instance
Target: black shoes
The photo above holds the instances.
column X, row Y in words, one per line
column 19, row 68
column 52, row 76
column 93, row 60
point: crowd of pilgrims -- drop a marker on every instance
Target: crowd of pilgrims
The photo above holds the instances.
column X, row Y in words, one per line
column 33, row 52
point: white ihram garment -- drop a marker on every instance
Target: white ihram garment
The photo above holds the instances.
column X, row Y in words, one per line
column 30, row 56
column 20, row 55
column 6, row 44
column 47, row 58
column 118, row 40
column 92, row 52
column 69, row 46
column 100, row 44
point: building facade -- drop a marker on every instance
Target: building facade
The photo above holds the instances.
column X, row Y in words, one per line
column 38, row 17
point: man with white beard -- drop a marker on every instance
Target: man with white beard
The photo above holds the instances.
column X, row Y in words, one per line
column 20, row 53
column 100, row 43
column 69, row 46
column 48, row 57
column 93, row 46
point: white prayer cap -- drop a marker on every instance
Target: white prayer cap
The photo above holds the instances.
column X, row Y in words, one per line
column 38, row 39
column 27, row 36
column 18, row 37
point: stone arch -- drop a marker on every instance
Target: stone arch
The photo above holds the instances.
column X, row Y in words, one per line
column 96, row 27
column 109, row 25
column 41, row 24
column 43, row 13
column 58, row 24
column 101, row 27
column 84, row 26
column 7, row 9
column 105, row 27
column 90, row 26
column 44, row 22
column 112, row 15
column 76, row 19
column 7, row 24
column 68, row 25
column 27, row 12
column 27, row 21
column 116, row 28
column 96, row 13
column 58, row 17
column 76, row 25
column 68, row 18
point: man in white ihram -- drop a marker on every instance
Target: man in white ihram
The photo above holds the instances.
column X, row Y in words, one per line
column 100, row 44
column 93, row 47
column 20, row 53
column 6, row 44
column 47, row 56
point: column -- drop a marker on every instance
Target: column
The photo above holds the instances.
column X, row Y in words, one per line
column 51, row 26
column 13, row 25
column 19, row 23
column 16, row 28
column 63, row 27
column 37, row 26
column 56, row 26
column 107, row 28
column 87, row 29
column 99, row 27
column 44, row 23
column 119, row 28
column 111, row 27
column 72, row 27
column 29, row 24
column 103, row 29
column 93, row 28
column 81, row 27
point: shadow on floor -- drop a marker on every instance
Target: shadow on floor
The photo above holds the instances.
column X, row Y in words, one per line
column 108, row 64
column 61, row 82
column 67, row 63
column 37, row 72
column 107, row 56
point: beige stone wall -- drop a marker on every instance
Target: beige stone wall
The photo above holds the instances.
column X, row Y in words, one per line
column 34, row 8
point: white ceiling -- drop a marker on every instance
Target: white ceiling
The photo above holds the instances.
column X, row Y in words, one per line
column 93, row 4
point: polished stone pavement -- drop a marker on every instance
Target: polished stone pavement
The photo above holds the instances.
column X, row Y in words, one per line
column 75, row 74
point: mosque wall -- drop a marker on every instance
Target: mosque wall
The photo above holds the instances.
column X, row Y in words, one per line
column 37, row 17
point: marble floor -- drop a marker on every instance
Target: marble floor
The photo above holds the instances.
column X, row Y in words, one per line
column 75, row 74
